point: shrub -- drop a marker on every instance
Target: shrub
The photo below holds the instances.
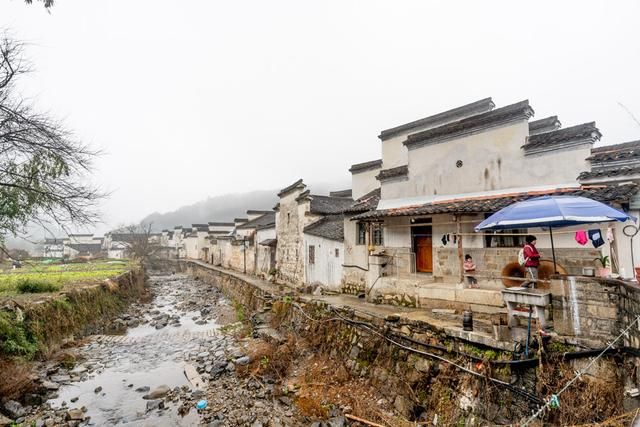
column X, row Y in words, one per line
column 34, row 286
column 14, row 339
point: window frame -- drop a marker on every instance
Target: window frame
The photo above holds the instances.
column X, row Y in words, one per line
column 311, row 258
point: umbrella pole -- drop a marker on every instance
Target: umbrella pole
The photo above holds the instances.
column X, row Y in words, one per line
column 553, row 251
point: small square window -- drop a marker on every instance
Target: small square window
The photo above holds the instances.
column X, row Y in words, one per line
column 312, row 254
column 337, row 253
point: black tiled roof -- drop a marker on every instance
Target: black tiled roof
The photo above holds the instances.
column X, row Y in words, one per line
column 393, row 172
column 606, row 194
column 547, row 124
column 125, row 237
column 269, row 242
column 612, row 153
column 613, row 172
column 498, row 117
column 261, row 221
column 476, row 107
column 330, row 227
column 257, row 212
column 585, row 131
column 341, row 193
column 366, row 203
column 221, row 224
column 86, row 248
column 363, row 167
column 291, row 187
column 326, row 205
column 240, row 220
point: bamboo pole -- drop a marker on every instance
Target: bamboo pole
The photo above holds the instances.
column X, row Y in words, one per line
column 362, row 420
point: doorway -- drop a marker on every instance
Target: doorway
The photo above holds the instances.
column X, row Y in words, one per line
column 422, row 241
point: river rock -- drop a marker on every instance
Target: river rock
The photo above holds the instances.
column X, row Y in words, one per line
column 336, row 422
column 143, row 389
column 158, row 392
column 97, row 389
column 14, row 409
column 155, row 404
column 49, row 385
column 244, row 360
column 75, row 414
column 4, row 421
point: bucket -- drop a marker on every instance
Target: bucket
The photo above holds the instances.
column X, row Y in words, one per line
column 467, row 321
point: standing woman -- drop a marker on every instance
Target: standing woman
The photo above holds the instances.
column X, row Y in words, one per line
column 532, row 260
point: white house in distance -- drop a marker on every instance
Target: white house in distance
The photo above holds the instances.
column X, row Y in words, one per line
column 296, row 256
column 442, row 175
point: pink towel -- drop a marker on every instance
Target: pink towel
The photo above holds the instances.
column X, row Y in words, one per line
column 581, row 237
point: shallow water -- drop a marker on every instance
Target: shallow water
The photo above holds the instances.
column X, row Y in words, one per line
column 144, row 356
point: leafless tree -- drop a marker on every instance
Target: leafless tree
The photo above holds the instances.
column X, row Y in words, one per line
column 43, row 168
column 143, row 245
column 47, row 3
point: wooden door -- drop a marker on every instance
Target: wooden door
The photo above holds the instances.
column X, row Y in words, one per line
column 424, row 254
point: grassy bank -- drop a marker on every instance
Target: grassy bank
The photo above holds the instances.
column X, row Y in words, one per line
column 33, row 328
column 43, row 277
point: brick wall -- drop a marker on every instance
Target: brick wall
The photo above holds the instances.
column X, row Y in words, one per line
column 491, row 261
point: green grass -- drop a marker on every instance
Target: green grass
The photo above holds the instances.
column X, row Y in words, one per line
column 37, row 277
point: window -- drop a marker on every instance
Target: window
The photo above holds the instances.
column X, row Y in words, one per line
column 288, row 218
column 376, row 234
column 361, row 233
column 337, row 253
column 312, row 254
column 503, row 239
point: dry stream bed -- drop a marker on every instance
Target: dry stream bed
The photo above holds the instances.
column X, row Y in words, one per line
column 135, row 375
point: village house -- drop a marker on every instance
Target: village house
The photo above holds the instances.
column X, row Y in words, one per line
column 51, row 248
column 195, row 241
column 82, row 245
column 216, row 230
column 300, row 234
column 227, row 250
column 441, row 176
column 255, row 258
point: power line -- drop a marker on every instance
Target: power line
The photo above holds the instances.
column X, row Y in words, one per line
column 553, row 401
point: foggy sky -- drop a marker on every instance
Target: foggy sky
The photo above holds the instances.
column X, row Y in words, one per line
column 191, row 99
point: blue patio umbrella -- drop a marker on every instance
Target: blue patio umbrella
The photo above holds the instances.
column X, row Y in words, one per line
column 552, row 211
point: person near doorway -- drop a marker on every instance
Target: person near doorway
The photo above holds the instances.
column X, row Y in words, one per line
column 470, row 268
column 532, row 261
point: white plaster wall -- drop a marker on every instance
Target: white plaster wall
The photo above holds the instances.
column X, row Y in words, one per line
column 394, row 153
column 327, row 269
column 491, row 159
column 397, row 233
column 364, row 182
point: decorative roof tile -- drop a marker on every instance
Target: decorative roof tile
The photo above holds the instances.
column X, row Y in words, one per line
column 365, row 203
column 548, row 124
column 393, row 173
column 471, row 125
column 326, row 205
column 264, row 220
column 614, row 172
column 366, row 166
column 586, row 132
column 614, row 153
column 457, row 113
column 289, row 188
column 606, row 194
column 341, row 193
column 330, row 227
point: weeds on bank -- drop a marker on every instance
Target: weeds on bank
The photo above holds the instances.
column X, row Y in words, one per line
column 35, row 286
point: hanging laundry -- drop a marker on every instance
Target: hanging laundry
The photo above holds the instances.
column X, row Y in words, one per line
column 609, row 234
column 581, row 237
column 596, row 238
column 444, row 240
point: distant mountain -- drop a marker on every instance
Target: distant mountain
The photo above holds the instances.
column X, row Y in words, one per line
column 226, row 208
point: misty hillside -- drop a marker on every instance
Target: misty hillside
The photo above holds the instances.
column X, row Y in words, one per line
column 226, row 208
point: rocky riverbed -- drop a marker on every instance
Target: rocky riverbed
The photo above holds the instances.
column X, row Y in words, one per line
column 136, row 371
